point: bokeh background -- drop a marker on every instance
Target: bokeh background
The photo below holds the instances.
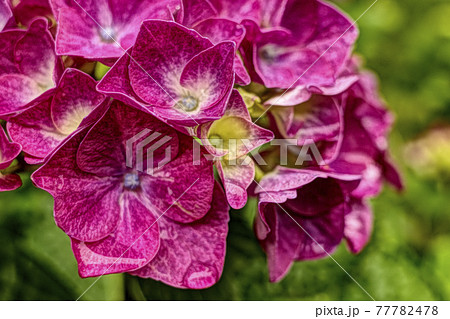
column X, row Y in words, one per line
column 407, row 43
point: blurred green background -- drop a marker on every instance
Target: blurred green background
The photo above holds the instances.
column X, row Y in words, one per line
column 407, row 43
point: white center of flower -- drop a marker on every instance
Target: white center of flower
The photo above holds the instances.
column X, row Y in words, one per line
column 107, row 34
column 270, row 53
column 188, row 103
column 131, row 181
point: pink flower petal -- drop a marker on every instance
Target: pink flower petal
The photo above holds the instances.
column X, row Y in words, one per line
column 86, row 206
column 310, row 46
column 44, row 125
column 74, row 99
column 35, row 130
column 102, row 30
column 236, row 180
column 235, row 134
column 181, row 188
column 358, row 225
column 131, row 246
column 16, row 91
column 239, row 10
column 191, row 255
column 211, row 73
column 8, row 150
column 5, row 13
column 281, row 243
column 193, row 11
column 218, row 30
column 9, row 182
column 103, row 151
column 8, row 40
column 26, row 11
column 319, row 120
column 79, row 35
column 116, row 83
column 161, row 52
column 35, row 54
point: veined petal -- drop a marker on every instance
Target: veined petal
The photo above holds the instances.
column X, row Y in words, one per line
column 238, row 11
column 237, row 178
column 104, row 150
column 131, row 246
column 325, row 234
column 193, row 11
column 74, row 99
column 236, row 106
column 8, row 150
column 288, row 55
column 86, row 206
column 102, row 30
column 35, row 55
column 128, row 16
column 288, row 236
column 301, row 18
column 33, row 160
column 286, row 178
column 178, row 117
column 303, row 93
column 26, row 11
column 160, row 54
column 9, row 182
column 209, row 75
column 191, row 255
column 281, row 243
column 218, row 30
column 272, row 12
column 116, row 83
column 8, row 40
column 316, row 197
column 320, row 120
column 242, row 76
column 80, row 35
column 35, row 130
column 44, row 125
column 285, row 65
column 16, row 91
column 182, row 189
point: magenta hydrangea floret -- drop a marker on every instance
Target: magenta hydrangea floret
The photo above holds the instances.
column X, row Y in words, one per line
column 364, row 143
column 29, row 67
column 329, row 202
column 102, row 30
column 291, row 50
column 175, row 74
column 121, row 219
column 301, row 215
column 43, row 126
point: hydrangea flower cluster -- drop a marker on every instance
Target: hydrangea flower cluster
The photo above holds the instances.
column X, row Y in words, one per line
column 206, row 103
